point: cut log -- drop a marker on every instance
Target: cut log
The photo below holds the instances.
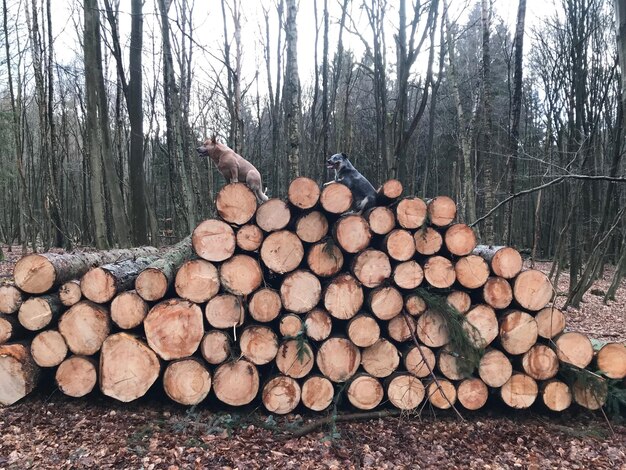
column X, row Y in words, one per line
column 419, row 360
column 38, row 312
column 338, row 359
column 281, row 395
column 520, row 391
column 273, row 215
column 300, row 291
column 460, row 239
column 312, row 227
column 38, row 273
column 471, row 271
column 497, row 292
column 215, row 347
column 590, row 393
column 304, row 193
column 363, row 330
column 10, row 328
column 414, row 305
column 128, row 310
column 103, row 283
column 441, row 211
column 481, row 325
column 441, row 394
column 318, row 324
column 550, row 322
column 249, row 237
column 214, row 240
column 236, row 383
column 380, row 359
column 540, row 362
column 532, row 290
column 265, row 305
column 390, row 191
column 10, row 299
column 336, row 198
column 77, row 376
column 295, row 358
column 399, row 245
column 325, row 258
column 282, row 251
column 18, row 373
column 459, row 300
column 236, row 204
column 371, row 267
column 197, row 281
column 187, row 381
column 401, row 328
column 241, row 275
column 224, row 311
column 504, row 261
column 427, row 241
column 408, row 275
column 495, row 368
column 174, row 328
column 386, row 302
column 84, row 327
column 452, row 365
column 48, row 348
column 382, row 220
column 574, row 348
column 556, row 395
column 70, row 293
column 343, row 297
column 317, row 393
column 518, row 332
column 128, row 367
column 611, row 360
column 472, row 394
column 411, row 212
column 154, row 281
column 352, row 233
column 365, row 392
column 439, row 272
column 432, row 329
column 258, row 344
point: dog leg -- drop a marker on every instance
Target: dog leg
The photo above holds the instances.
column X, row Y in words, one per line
column 234, row 175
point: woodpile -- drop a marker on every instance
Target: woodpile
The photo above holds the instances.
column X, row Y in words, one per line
column 300, row 303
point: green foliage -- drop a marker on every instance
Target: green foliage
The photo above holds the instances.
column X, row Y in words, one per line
column 302, row 345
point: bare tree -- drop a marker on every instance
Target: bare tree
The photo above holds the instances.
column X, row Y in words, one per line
column 291, row 94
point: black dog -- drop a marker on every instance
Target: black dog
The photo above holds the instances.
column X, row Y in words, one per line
column 363, row 192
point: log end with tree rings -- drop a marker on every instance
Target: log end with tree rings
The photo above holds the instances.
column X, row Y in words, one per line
column 401, row 328
column 504, row 261
column 520, row 391
column 441, row 211
column 481, row 325
column 428, row 241
column 460, row 300
column 48, row 348
column 98, row 285
column 174, row 328
column 419, row 360
column 460, row 239
column 215, row 347
column 76, row 376
column 318, row 324
column 336, row 198
column 590, row 391
column 495, row 368
column 312, row 227
column 574, row 348
column 303, row 193
column 69, row 294
column 300, row 291
column 343, row 297
column 556, row 395
column 197, row 280
column 405, row 391
column 10, row 299
column 236, row 204
column 295, row 358
column 386, row 302
column 214, row 240
column 187, row 381
column 18, row 373
column 265, row 305
column 317, row 393
column 414, row 305
column 365, row 392
column 273, row 215
column 439, row 272
column 452, row 365
column 611, row 360
column 380, row 359
column 540, row 362
column 518, row 332
column 84, row 327
column 281, row 395
column 151, row 284
column 363, row 330
column 408, row 275
column 471, row 271
column 241, row 275
column 432, row 329
column 472, row 393
column 128, row 310
column 258, row 344
column 225, row 311
column 371, row 267
column 441, row 394
column 282, row 251
column 338, row 359
column 352, row 233
column 497, row 292
column 249, row 237
column 34, row 274
column 382, row 220
column 325, row 258
column 411, row 213
column 290, row 325
column 399, row 245
column 550, row 322
column 38, row 312
column 391, row 190
column 532, row 290
column 236, row 383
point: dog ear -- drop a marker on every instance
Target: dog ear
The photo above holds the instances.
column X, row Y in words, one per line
column 344, row 155
column 214, row 139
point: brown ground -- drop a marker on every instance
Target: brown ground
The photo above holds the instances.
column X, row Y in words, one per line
column 48, row 430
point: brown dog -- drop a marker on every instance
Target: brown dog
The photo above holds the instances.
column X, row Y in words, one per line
column 233, row 166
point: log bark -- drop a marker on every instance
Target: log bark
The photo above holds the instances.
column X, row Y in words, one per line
column 439, row 272
column 10, row 299
column 428, row 241
column 386, row 302
column 336, row 198
column 103, row 283
column 318, row 324
column 540, row 362
column 236, row 204
column 282, row 251
column 325, row 258
column 352, row 233
column 497, row 292
column 77, row 376
column 317, row 393
column 504, row 261
column 371, row 267
column 495, row 368
column 258, row 344
column 312, row 227
column 471, row 271
column 48, row 348
column 432, row 329
column 518, row 332
column 532, row 290
column 225, row 311
column 365, row 392
column 128, row 310
column 197, row 281
column 414, row 305
column 408, row 275
column 441, row 394
column 459, row 300
column 38, row 312
column 10, row 328
column 303, row 193
column 265, row 305
column 520, row 391
column 481, row 325
column 591, row 395
column 241, row 275
column 550, row 322
column 84, row 327
column 300, row 291
column 281, row 395
column 249, row 237
column 187, row 381
column 399, row 245
column 441, row 211
column 214, row 240
column 18, row 373
column 460, row 239
column 472, row 393
column 380, row 359
column 343, row 297
column 411, row 213
column 574, row 348
column 295, row 358
column 363, row 330
column 390, row 191
column 401, row 329
column 556, row 395
column 381, row 219
column 70, row 293
column 338, row 359
column 273, row 215
column 236, row 383
column 215, row 347
column 611, row 360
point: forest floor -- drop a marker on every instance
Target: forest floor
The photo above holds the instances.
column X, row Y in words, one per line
column 49, row 430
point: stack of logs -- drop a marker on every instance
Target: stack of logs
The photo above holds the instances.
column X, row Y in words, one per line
column 302, row 302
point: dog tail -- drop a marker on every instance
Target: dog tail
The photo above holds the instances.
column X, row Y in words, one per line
column 264, row 195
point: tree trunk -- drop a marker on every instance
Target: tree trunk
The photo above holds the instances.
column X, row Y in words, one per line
column 411, row 212
column 318, row 324
column 304, row 193
column 497, row 293
column 338, row 359
column 295, row 358
column 408, row 275
column 187, row 381
column 197, row 281
column 18, row 373
column 439, row 272
column 540, row 362
column 281, row 395
column 128, row 310
column 611, row 360
column 382, row 220
column 343, row 297
column 249, row 237
column 380, row 359
column 460, row 300
column 215, row 347
column 520, row 391
column 214, row 240
column 504, row 261
column 574, row 348
column 48, row 348
column 85, row 326
column 38, row 312
column 10, row 299
column 495, row 368
column 312, row 227
column 282, row 252
column 10, row 328
column 399, row 245
column 481, row 325
column 518, row 332
column 291, row 94
column 273, row 215
column 385, row 302
column 290, row 325
column 460, row 240
column 70, row 293
column 241, row 275
column 471, row 271
column 224, row 311
column 265, row 305
column 472, row 394
column 336, row 198
column 352, row 233
column 556, row 395
column 363, row 330
column 259, row 344
column 371, row 267
column 77, row 376
column 550, row 322
column 317, row 393
column 401, row 328
column 533, row 290
column 428, row 241
column 432, row 329
column 325, row 258
column 441, row 394
column 419, row 360
column 365, row 392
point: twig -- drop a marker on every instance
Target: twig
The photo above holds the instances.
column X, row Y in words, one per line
column 304, row 430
